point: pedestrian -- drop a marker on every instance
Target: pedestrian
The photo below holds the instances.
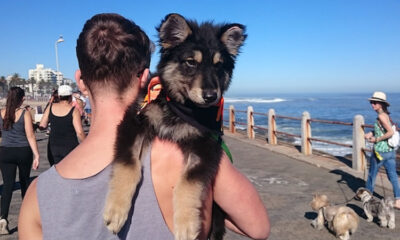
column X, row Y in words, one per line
column 382, row 154
column 18, row 149
column 88, row 110
column 66, row 126
column 78, row 102
column 53, row 99
column 67, row 200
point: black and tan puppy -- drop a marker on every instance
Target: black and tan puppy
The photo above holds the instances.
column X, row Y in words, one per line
column 195, row 69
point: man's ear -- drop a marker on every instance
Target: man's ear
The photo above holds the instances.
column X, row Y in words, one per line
column 81, row 84
column 144, row 78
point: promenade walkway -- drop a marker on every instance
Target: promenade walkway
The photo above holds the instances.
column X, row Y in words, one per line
column 286, row 181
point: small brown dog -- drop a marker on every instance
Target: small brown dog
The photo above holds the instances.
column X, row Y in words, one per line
column 342, row 220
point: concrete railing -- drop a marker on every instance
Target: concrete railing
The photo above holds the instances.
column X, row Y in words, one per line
column 358, row 145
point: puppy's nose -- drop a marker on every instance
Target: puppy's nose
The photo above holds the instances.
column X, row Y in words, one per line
column 210, row 96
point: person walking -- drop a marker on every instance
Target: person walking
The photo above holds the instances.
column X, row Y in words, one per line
column 67, row 201
column 78, row 102
column 88, row 110
column 18, row 149
column 66, row 126
column 382, row 154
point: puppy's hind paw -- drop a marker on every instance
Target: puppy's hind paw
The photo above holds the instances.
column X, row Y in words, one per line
column 114, row 217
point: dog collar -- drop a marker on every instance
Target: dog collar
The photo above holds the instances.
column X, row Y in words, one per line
column 205, row 119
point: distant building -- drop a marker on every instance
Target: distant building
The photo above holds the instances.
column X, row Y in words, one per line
column 59, row 78
column 45, row 74
column 68, row 81
column 8, row 79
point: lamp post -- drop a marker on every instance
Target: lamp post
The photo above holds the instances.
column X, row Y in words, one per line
column 59, row 40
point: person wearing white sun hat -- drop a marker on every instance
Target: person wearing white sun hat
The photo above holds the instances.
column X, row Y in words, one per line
column 382, row 153
column 66, row 126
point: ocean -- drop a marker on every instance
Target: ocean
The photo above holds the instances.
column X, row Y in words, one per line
column 333, row 106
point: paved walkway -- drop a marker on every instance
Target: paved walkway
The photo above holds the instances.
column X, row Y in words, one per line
column 286, row 181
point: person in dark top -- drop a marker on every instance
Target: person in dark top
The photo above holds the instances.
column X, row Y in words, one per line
column 18, row 148
column 66, row 126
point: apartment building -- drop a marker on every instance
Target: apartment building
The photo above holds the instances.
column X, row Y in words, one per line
column 45, row 74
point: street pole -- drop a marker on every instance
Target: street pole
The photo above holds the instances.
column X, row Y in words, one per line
column 59, row 40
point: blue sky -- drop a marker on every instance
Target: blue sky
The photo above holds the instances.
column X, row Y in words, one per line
column 293, row 46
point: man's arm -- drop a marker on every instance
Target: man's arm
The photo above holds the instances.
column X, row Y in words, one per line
column 29, row 226
column 235, row 194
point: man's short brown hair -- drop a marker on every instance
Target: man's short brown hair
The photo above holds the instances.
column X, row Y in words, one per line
column 111, row 50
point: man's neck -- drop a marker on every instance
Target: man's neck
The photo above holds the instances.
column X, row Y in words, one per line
column 97, row 150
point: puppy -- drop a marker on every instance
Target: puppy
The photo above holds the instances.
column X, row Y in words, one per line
column 341, row 220
column 383, row 209
column 195, row 69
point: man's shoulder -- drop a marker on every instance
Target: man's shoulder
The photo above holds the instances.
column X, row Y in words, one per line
column 46, row 175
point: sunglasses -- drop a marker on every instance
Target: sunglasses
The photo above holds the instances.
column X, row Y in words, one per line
column 373, row 102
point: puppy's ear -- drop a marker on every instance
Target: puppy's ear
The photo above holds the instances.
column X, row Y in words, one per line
column 233, row 36
column 173, row 30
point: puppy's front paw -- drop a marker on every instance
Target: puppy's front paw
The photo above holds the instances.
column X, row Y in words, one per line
column 370, row 219
column 314, row 223
column 391, row 225
column 187, row 224
column 115, row 215
column 384, row 223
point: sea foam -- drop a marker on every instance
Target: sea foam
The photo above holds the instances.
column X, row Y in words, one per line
column 254, row 100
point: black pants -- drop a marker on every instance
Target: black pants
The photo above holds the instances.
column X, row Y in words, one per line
column 10, row 159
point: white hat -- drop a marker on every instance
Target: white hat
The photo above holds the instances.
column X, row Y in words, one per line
column 379, row 97
column 64, row 90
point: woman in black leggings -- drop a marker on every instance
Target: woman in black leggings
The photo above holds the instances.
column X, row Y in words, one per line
column 18, row 149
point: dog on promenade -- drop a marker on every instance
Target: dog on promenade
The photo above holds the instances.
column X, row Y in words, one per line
column 341, row 220
column 382, row 209
column 195, row 69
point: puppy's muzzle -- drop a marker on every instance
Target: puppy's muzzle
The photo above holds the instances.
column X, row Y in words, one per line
column 210, row 96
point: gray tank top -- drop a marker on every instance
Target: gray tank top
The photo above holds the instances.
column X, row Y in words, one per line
column 15, row 136
column 73, row 208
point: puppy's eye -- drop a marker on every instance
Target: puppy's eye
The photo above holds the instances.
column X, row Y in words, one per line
column 190, row 62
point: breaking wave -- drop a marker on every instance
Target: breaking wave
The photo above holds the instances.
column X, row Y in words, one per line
column 254, row 100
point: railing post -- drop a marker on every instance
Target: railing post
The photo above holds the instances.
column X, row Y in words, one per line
column 232, row 127
column 250, row 123
column 272, row 139
column 358, row 143
column 306, row 147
